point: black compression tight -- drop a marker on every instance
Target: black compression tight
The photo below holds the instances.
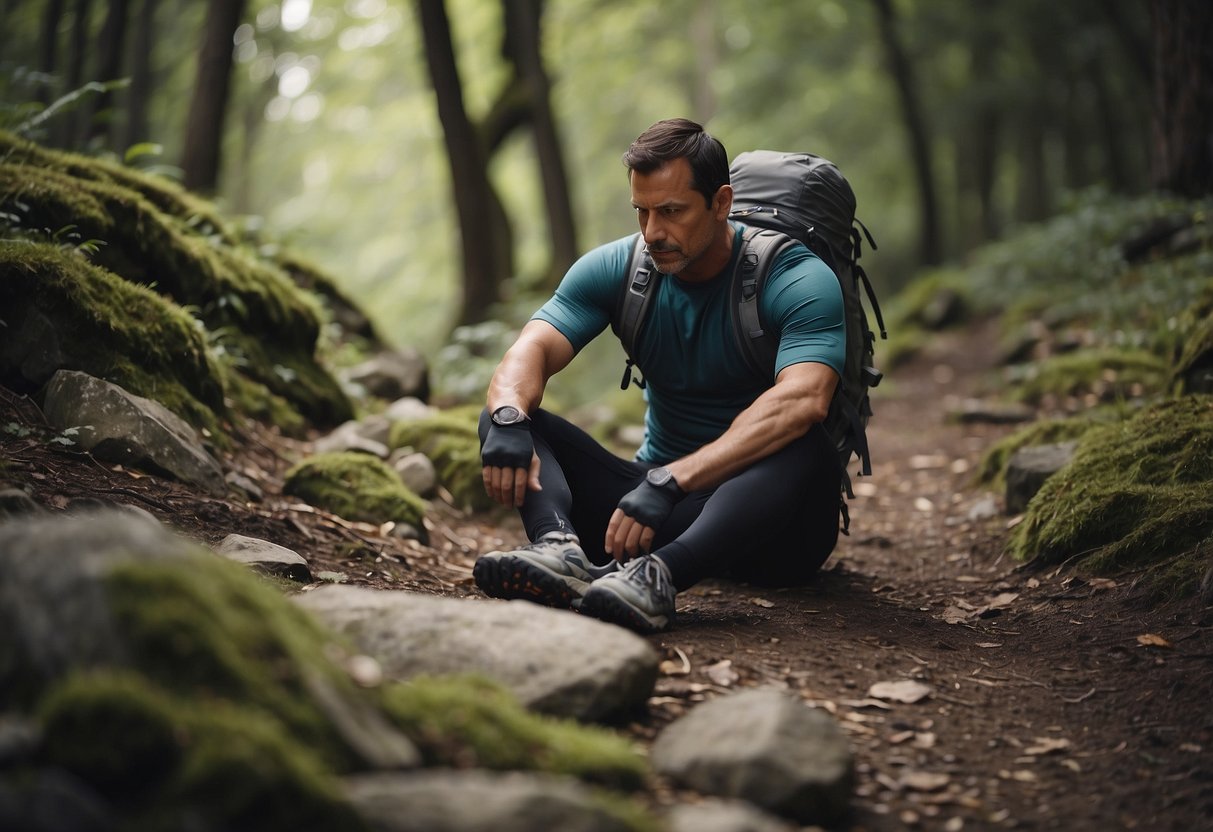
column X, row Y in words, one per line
column 774, row 523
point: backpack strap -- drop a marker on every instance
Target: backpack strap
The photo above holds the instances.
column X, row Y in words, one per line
column 759, row 250
column 633, row 305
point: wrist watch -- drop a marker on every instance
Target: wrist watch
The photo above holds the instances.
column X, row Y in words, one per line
column 508, row 415
column 659, row 477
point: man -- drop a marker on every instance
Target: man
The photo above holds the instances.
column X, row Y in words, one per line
column 736, row 476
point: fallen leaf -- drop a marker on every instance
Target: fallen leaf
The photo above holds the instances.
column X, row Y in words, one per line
column 1047, row 745
column 955, row 615
column 989, row 644
column 1152, row 640
column 722, row 673
column 924, row 781
column 681, row 667
column 1002, row 601
column 906, row 691
column 1102, row 583
column 924, row 505
column 900, row 737
column 924, row 739
column 762, row 602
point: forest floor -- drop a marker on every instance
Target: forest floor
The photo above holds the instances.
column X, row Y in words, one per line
column 1045, row 699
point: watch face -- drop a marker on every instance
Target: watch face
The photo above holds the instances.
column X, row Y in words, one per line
column 507, row 415
column 659, row 476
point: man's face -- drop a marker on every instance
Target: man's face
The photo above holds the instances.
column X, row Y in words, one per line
column 677, row 225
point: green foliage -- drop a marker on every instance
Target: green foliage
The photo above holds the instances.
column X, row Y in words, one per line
column 467, row 722
column 1105, row 374
column 1137, row 494
column 451, row 442
column 355, row 486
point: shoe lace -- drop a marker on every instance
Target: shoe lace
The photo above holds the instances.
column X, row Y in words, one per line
column 647, row 571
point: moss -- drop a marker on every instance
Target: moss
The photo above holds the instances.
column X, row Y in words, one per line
column 451, row 442
column 113, row 730
column 213, row 631
column 113, row 329
column 1136, row 495
column 166, row 195
column 1196, row 347
column 167, row 760
column 1108, row 374
column 355, row 486
column 231, row 289
column 993, row 467
column 470, row 722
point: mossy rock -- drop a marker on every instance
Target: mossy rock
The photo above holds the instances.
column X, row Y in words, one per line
column 1138, row 494
column 191, row 694
column 1107, row 374
column 993, row 467
column 451, row 442
column 1193, row 367
column 466, row 721
column 246, row 303
column 109, row 328
column 166, row 195
column 169, row 760
column 355, row 486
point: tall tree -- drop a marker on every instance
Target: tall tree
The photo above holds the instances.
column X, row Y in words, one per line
column 523, row 45
column 99, row 119
column 930, row 237
column 48, row 46
column 66, row 128
column 140, row 90
column 1183, row 96
column 208, row 106
column 483, row 239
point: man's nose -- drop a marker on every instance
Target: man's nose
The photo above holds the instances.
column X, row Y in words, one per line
column 653, row 229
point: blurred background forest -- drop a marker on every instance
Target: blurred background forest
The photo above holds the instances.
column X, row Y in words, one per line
column 364, row 134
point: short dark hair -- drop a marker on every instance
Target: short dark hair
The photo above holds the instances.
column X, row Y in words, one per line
column 681, row 138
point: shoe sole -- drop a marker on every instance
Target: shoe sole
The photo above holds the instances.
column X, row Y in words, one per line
column 605, row 605
column 513, row 578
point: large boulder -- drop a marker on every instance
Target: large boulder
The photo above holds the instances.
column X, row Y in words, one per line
column 553, row 661
column 765, row 747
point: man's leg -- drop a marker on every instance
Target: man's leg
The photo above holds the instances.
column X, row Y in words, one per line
column 581, row 484
column 777, row 521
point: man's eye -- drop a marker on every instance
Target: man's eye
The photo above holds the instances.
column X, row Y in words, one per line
column 669, row 212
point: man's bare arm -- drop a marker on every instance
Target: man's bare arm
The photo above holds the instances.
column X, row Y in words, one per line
column 799, row 399
column 540, row 352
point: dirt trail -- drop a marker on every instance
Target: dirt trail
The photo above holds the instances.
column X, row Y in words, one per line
column 1043, row 707
column 1051, row 702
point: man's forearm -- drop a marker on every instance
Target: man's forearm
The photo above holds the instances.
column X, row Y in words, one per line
column 776, row 418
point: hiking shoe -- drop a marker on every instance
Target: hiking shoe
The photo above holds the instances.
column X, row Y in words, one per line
column 640, row 596
column 552, row 571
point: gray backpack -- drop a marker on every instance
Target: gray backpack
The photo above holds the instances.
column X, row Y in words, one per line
column 785, row 198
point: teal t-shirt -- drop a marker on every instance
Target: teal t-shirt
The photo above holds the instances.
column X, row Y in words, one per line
column 697, row 379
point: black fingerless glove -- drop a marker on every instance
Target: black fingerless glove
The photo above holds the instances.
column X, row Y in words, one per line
column 508, row 446
column 651, row 504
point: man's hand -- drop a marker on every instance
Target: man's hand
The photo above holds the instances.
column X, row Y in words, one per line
column 640, row 514
column 511, row 465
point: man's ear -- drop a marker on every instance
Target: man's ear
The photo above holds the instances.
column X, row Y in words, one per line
column 722, row 203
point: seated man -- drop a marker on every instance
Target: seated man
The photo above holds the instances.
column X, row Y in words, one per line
column 736, row 476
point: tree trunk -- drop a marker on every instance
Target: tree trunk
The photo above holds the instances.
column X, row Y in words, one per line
column 1032, row 201
column 48, row 47
column 930, row 245
column 1183, row 96
column 523, row 25
column 65, row 130
column 208, row 107
column 481, row 233
column 109, row 68
column 140, row 90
